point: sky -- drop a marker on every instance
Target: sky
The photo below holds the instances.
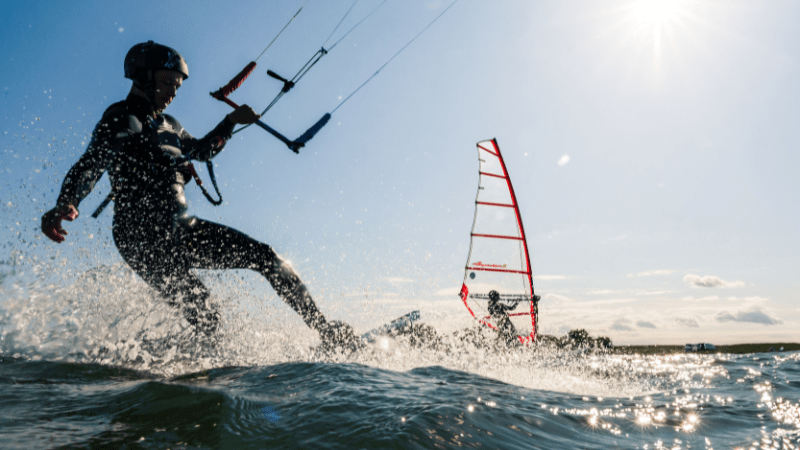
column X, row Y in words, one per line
column 652, row 145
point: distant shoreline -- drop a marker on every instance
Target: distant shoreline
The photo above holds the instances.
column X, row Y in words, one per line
column 736, row 348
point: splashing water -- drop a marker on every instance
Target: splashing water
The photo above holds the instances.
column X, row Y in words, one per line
column 116, row 351
column 109, row 316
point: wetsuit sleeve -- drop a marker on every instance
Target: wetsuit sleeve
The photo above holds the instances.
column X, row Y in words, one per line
column 510, row 307
column 83, row 176
column 210, row 145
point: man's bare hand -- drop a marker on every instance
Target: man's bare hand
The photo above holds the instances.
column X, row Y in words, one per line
column 51, row 221
column 243, row 115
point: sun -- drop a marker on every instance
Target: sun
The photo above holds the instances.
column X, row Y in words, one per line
column 650, row 44
column 653, row 21
column 656, row 12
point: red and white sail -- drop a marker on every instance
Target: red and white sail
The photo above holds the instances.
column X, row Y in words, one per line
column 498, row 256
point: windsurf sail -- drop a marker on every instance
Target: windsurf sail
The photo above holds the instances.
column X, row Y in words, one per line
column 498, row 285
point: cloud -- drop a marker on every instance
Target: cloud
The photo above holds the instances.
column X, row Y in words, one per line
column 643, row 324
column 615, row 238
column 625, row 292
column 749, row 300
column 621, row 325
column 374, row 296
column 651, row 273
column 710, row 281
column 550, row 277
column 399, row 280
column 564, row 160
column 711, row 298
column 751, row 316
column 689, row 323
column 613, row 301
column 555, row 298
column 448, row 292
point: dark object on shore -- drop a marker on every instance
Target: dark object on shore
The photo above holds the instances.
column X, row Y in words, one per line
column 699, row 348
column 733, row 349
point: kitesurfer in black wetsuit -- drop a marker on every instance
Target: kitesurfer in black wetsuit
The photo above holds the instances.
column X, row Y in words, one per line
column 146, row 154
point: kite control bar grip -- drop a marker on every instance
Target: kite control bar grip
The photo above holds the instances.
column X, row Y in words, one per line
column 291, row 144
column 286, row 83
column 234, row 84
column 300, row 142
column 305, row 137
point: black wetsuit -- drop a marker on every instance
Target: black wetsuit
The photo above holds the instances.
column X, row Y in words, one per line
column 152, row 230
column 499, row 312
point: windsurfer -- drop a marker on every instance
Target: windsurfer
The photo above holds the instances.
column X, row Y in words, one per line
column 499, row 312
column 146, row 154
column 498, row 269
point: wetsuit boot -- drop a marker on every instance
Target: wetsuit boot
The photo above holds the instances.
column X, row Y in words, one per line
column 288, row 286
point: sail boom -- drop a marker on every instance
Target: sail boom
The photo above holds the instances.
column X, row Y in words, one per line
column 505, row 297
column 489, row 269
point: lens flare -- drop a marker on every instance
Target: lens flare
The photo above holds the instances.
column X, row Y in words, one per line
column 656, row 11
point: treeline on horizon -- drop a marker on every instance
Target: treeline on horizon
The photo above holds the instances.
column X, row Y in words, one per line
column 580, row 339
column 575, row 339
column 769, row 347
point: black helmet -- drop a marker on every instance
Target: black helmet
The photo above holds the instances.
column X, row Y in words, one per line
column 149, row 56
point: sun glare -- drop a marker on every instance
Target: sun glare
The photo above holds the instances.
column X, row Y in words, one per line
column 656, row 24
column 655, row 11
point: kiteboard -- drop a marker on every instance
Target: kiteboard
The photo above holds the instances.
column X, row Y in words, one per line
column 498, row 285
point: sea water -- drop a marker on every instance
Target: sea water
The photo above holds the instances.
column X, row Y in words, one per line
column 86, row 366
